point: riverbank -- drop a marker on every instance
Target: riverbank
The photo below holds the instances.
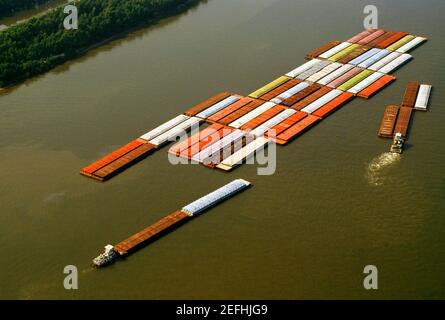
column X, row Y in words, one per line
column 24, row 15
column 11, row 7
column 24, row 54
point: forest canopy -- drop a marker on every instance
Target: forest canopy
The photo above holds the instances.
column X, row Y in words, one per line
column 41, row 43
column 8, row 7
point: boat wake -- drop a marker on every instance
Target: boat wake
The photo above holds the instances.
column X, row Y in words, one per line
column 378, row 167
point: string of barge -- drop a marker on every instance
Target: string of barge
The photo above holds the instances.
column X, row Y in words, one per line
column 169, row 222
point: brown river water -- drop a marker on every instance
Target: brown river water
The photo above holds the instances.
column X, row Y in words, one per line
column 337, row 201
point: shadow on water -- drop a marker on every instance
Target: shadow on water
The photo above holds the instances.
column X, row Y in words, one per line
column 407, row 146
column 107, row 45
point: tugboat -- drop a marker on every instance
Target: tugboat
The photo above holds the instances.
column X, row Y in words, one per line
column 397, row 144
column 108, row 256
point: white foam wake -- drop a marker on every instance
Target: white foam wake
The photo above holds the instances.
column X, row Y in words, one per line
column 377, row 168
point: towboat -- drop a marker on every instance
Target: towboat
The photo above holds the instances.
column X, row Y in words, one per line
column 108, row 256
column 397, row 144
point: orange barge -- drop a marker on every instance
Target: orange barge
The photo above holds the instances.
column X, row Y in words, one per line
column 151, row 233
column 118, row 160
column 410, row 96
column 388, row 122
column 267, row 115
column 381, row 38
column 390, row 40
column 240, row 112
column 297, row 129
column 279, row 90
column 333, row 105
column 301, row 95
column 376, row 86
column 403, row 121
column 228, row 110
column 193, row 111
column 199, row 141
column 207, row 135
column 289, row 122
column 316, row 52
column 310, row 98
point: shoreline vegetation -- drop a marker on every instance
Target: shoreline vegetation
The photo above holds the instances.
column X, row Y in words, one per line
column 11, row 7
column 41, row 43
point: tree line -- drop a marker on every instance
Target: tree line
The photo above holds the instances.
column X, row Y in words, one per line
column 41, row 43
column 8, row 7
